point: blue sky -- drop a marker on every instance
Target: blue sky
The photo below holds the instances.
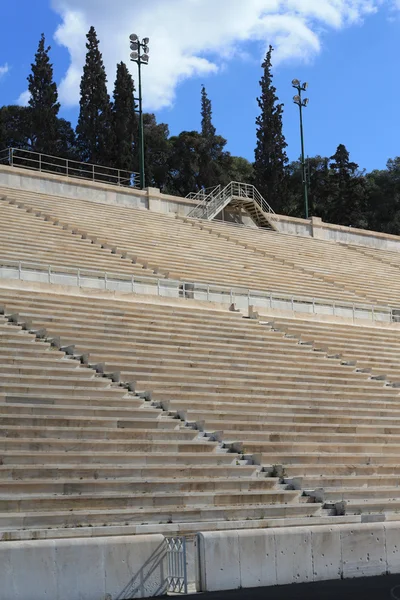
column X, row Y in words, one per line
column 349, row 57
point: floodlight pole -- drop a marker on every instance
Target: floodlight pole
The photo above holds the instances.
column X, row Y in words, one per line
column 139, row 61
column 302, row 103
column 141, row 128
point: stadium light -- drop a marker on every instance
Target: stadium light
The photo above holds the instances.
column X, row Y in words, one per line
column 140, row 56
column 302, row 103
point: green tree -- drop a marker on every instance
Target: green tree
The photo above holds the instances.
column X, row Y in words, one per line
column 124, row 121
column 270, row 154
column 94, row 128
column 15, row 127
column 184, row 163
column 43, row 102
column 241, row 170
column 66, row 140
column 156, row 151
column 214, row 161
column 347, row 198
column 383, row 188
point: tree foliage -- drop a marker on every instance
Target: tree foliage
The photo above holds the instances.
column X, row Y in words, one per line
column 94, row 129
column 125, row 134
column 270, row 153
column 43, row 102
column 214, row 161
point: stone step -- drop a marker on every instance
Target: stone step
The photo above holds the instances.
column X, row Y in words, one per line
column 270, row 427
column 187, row 528
column 144, row 458
column 52, row 472
column 374, row 506
column 267, row 435
column 119, row 446
column 388, row 494
column 340, row 469
column 257, row 411
column 66, row 392
column 245, row 512
column 25, row 407
column 194, row 374
column 359, row 448
column 132, row 426
column 338, row 482
column 310, row 415
column 335, row 458
column 58, row 400
column 255, row 403
column 126, row 485
column 139, row 501
column 97, row 434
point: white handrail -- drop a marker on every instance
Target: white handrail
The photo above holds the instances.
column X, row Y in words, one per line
column 214, row 202
column 242, row 297
column 17, row 157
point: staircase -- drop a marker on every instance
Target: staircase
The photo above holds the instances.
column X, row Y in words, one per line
column 237, row 194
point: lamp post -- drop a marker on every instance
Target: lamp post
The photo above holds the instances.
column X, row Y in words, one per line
column 140, row 58
column 302, row 104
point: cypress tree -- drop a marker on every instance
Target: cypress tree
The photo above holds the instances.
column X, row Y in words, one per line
column 214, row 162
column 43, row 102
column 270, row 154
column 94, row 128
column 207, row 128
column 124, row 121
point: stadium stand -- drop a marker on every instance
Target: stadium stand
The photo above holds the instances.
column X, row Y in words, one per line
column 124, row 414
column 79, row 469
column 262, row 394
column 352, row 269
column 168, row 246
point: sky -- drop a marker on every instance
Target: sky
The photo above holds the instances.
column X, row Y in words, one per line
column 347, row 51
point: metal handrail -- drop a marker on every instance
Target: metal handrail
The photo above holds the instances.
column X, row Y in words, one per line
column 212, row 204
column 189, row 289
column 46, row 163
column 203, row 193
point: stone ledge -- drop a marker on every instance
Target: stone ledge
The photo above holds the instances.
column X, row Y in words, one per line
column 236, row 559
column 67, row 569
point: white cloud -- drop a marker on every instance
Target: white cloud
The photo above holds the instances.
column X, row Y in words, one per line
column 4, row 70
column 23, row 98
column 195, row 37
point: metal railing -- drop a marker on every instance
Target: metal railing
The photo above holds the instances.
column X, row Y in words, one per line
column 241, row 298
column 218, row 198
column 204, row 193
column 176, row 565
column 44, row 163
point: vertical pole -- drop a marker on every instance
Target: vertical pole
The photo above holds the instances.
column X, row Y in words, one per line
column 303, row 162
column 185, row 590
column 141, row 129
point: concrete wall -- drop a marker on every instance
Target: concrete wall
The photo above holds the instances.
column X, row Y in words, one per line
column 108, row 568
column 316, row 228
column 57, row 185
column 267, row 557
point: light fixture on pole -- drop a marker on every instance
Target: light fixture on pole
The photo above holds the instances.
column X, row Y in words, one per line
column 302, row 103
column 140, row 55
